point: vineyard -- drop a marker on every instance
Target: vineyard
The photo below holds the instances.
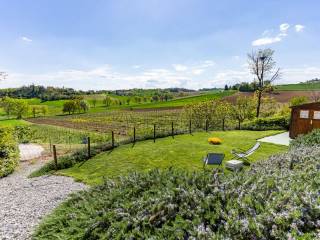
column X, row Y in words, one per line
column 123, row 123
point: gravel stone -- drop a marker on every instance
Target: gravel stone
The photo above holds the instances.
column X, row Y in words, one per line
column 25, row 201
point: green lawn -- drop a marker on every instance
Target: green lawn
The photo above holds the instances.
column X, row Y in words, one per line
column 13, row 123
column 184, row 151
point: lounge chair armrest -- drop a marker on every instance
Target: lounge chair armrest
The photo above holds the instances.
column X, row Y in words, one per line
column 237, row 150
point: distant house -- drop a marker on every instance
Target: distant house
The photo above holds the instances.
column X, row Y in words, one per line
column 304, row 118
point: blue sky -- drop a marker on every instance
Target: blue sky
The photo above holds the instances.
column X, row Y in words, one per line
column 113, row 44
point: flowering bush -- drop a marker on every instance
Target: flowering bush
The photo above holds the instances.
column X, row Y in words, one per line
column 276, row 199
column 214, row 140
column 9, row 154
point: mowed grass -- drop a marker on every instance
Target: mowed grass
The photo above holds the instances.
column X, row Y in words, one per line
column 184, row 152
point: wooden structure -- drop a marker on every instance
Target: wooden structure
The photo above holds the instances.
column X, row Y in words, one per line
column 304, row 118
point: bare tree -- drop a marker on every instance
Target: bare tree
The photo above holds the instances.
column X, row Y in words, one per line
column 263, row 66
column 315, row 96
column 3, row 76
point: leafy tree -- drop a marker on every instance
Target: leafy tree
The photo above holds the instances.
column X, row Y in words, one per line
column 69, row 107
column 200, row 113
column 21, row 107
column 94, row 102
column 107, row 101
column 8, row 105
column 84, row 105
column 262, row 66
column 226, row 87
column 155, row 98
column 295, row 101
column 34, row 110
column 168, row 96
column 223, row 112
column 128, row 100
column 44, row 110
column 137, row 99
column 243, row 109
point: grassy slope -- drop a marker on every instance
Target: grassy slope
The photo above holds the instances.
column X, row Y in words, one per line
column 185, row 100
column 185, row 151
column 298, row 87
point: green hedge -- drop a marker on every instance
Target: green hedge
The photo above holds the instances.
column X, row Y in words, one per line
column 9, row 153
column 262, row 124
column 277, row 198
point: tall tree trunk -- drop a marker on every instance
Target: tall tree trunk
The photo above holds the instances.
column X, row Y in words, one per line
column 259, row 103
column 223, row 124
column 239, row 124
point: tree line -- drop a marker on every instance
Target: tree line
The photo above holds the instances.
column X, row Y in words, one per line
column 218, row 112
column 41, row 92
column 20, row 107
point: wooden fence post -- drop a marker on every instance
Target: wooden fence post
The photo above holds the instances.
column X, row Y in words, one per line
column 172, row 130
column 134, row 134
column 112, row 139
column 89, row 147
column 154, row 133
column 50, row 145
column 190, row 131
column 55, row 159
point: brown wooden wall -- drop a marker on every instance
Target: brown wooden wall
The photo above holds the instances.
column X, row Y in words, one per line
column 301, row 125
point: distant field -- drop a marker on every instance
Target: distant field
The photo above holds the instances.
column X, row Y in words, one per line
column 55, row 107
column 298, row 87
column 279, row 96
column 186, row 100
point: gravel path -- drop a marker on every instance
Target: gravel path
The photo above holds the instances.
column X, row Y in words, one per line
column 24, row 201
column 30, row 151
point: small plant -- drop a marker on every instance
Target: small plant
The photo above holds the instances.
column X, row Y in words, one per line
column 214, row 141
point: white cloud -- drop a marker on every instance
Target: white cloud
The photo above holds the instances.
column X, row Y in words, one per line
column 26, row 39
column 299, row 28
column 288, row 75
column 266, row 41
column 284, row 27
column 105, row 77
column 136, row 66
column 179, row 67
column 207, row 63
column 197, row 71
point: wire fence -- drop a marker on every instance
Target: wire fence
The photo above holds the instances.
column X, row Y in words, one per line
column 86, row 141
